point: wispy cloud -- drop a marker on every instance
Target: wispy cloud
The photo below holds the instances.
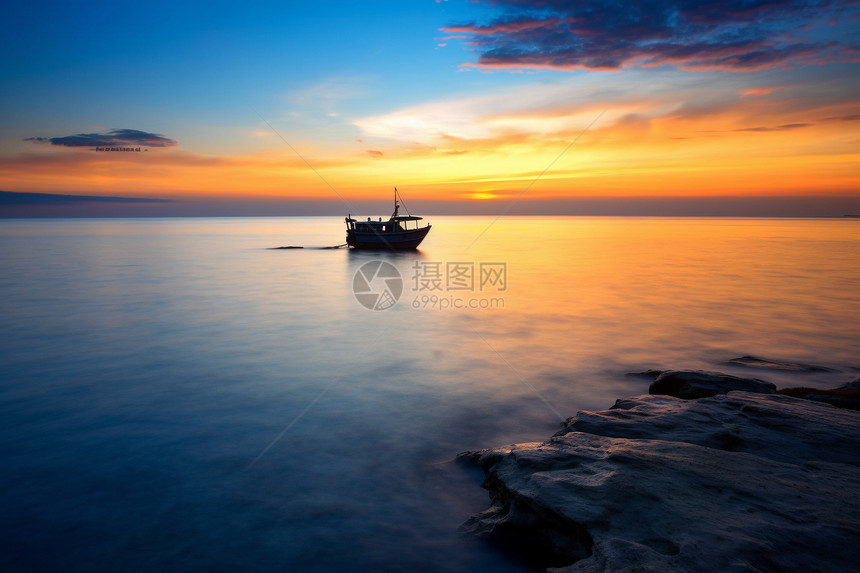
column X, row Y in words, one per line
column 663, row 129
column 734, row 35
column 112, row 138
column 326, row 96
column 784, row 127
column 539, row 110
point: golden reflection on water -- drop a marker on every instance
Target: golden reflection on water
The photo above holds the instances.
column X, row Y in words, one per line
column 657, row 289
column 585, row 295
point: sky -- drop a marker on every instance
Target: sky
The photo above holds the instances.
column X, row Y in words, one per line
column 465, row 106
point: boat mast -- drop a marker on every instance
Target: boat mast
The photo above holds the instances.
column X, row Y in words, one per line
column 396, row 206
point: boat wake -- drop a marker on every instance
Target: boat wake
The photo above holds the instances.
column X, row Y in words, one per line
column 300, row 247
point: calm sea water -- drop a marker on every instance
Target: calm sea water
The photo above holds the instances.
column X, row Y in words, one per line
column 177, row 396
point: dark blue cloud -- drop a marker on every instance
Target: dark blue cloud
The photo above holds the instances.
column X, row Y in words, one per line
column 736, row 35
column 16, row 198
column 113, row 138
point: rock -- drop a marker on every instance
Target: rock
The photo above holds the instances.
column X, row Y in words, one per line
column 777, row 427
column 846, row 396
column 736, row 482
column 692, row 384
column 754, row 362
column 650, row 374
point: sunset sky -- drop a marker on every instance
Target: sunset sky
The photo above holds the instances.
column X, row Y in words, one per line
column 548, row 102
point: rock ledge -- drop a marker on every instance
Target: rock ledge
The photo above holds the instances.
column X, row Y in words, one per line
column 735, row 482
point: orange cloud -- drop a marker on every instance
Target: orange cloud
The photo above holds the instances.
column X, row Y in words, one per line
column 760, row 91
column 669, row 136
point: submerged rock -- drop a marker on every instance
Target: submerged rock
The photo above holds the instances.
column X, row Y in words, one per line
column 763, row 363
column 735, row 482
column 650, row 374
column 846, row 396
column 692, row 384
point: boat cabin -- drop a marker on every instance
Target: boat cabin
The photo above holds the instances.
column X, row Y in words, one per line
column 393, row 225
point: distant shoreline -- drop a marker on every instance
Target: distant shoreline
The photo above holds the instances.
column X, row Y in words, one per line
column 21, row 205
column 16, row 198
column 73, row 217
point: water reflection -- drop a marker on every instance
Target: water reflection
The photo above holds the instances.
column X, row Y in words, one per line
column 148, row 363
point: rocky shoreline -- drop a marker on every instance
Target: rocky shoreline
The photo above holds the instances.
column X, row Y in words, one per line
column 708, row 472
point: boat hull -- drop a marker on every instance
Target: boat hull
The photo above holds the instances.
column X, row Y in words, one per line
column 397, row 241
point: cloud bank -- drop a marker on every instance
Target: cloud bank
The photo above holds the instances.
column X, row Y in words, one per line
column 14, row 198
column 113, row 138
column 732, row 35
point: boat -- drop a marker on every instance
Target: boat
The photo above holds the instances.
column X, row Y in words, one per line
column 396, row 233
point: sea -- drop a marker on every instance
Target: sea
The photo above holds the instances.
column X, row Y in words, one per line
column 178, row 394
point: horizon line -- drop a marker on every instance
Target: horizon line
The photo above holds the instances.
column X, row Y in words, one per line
column 14, row 205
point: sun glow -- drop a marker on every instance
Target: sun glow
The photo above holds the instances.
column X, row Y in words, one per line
column 482, row 195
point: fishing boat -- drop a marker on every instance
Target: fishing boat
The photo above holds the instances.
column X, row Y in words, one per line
column 397, row 233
